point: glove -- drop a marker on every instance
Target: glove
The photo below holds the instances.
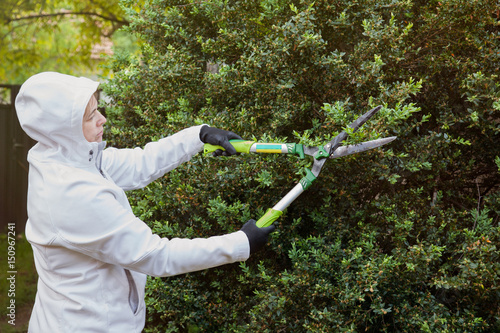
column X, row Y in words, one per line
column 219, row 137
column 257, row 237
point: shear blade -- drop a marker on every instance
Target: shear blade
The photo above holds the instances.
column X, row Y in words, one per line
column 361, row 120
column 360, row 147
column 355, row 125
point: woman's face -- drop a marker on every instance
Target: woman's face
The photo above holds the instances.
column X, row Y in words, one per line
column 93, row 122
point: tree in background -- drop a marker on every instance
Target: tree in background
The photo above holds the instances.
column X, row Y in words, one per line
column 404, row 238
column 64, row 36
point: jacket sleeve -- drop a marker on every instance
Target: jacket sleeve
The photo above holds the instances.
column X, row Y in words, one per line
column 97, row 225
column 135, row 168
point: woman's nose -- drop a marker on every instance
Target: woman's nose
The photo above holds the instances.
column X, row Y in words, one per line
column 102, row 120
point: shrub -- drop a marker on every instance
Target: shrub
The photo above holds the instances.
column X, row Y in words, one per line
column 403, row 238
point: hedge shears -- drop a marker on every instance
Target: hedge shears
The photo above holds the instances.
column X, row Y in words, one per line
column 320, row 154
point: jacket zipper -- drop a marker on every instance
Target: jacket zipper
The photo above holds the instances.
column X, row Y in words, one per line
column 91, row 155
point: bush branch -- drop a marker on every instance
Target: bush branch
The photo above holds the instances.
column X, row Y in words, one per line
column 68, row 13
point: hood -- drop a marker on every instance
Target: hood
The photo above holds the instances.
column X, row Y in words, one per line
column 50, row 107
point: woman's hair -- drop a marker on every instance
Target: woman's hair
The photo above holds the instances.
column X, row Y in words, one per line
column 96, row 95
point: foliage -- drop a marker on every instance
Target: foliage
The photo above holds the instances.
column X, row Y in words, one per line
column 404, row 238
column 58, row 36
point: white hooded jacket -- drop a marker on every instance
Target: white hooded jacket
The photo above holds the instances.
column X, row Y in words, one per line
column 91, row 253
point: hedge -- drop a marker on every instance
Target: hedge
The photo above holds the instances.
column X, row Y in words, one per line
column 404, row 238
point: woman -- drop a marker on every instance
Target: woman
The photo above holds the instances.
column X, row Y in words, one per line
column 91, row 253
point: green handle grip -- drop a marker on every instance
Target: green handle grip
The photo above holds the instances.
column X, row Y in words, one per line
column 241, row 146
column 268, row 218
column 308, row 179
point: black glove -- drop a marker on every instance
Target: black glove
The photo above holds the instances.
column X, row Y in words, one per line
column 257, row 237
column 219, row 137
